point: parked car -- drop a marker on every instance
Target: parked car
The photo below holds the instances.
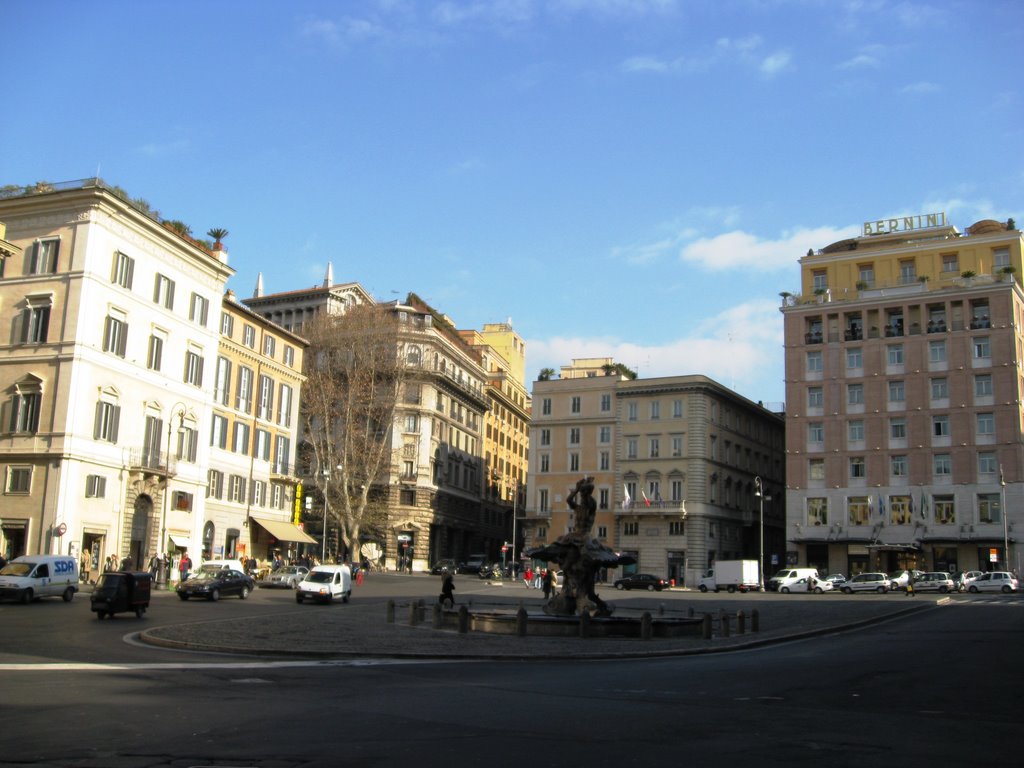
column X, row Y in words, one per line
column 641, row 581
column 934, row 581
column 444, row 566
column 808, row 584
column 995, row 581
column 835, row 579
column 473, row 564
column 285, row 577
column 965, row 578
column 215, row 583
column 867, row 582
column 900, row 579
column 325, row 584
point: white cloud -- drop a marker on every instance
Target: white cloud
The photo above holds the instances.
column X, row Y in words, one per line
column 742, row 249
column 861, row 61
column 174, row 147
column 921, row 87
column 738, row 348
column 777, row 62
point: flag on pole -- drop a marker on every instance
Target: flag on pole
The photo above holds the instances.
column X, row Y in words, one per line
column 644, row 496
column 626, row 501
column 881, row 505
column 924, row 506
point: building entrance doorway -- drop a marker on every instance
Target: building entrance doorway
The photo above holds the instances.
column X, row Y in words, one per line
column 139, row 541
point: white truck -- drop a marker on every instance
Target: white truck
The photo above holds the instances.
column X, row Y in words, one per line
column 731, row 575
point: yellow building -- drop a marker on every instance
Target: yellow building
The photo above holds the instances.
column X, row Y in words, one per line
column 506, row 423
column 250, row 495
column 903, row 384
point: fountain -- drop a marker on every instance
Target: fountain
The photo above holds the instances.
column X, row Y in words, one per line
column 581, row 556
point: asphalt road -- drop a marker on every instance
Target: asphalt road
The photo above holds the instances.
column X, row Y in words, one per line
column 940, row 686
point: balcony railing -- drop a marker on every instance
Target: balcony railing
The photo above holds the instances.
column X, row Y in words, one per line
column 160, row 462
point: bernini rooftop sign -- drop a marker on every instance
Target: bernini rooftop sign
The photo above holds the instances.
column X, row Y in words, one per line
column 905, row 223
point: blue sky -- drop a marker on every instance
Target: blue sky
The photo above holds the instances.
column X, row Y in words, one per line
column 625, row 178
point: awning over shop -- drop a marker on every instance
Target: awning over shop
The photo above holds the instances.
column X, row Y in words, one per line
column 285, row 531
column 182, row 542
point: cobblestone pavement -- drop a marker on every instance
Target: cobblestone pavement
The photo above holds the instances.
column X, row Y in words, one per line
column 360, row 629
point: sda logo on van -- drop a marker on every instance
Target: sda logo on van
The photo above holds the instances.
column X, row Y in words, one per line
column 64, row 566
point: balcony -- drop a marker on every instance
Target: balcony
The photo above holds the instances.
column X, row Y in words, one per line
column 653, row 508
column 152, row 462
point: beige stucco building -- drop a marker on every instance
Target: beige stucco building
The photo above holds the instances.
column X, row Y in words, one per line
column 904, row 388
column 434, row 490
column 675, row 462
column 111, row 323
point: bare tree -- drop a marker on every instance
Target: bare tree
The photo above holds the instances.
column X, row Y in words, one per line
column 355, row 376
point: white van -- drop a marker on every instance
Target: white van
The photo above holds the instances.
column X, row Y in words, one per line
column 31, row 577
column 326, row 583
column 788, row 576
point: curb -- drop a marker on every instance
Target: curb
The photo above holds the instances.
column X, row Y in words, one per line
column 149, row 637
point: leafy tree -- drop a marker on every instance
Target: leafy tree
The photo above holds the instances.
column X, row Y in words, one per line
column 355, row 376
column 546, row 374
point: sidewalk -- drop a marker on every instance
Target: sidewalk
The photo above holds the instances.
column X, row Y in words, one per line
column 360, row 630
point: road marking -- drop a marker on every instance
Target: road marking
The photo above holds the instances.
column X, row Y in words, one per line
column 158, row 667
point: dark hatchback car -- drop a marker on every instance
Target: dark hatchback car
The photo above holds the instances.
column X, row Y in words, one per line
column 641, row 581
column 215, row 584
column 444, row 566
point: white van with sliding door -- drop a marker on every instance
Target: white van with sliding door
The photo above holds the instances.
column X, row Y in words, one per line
column 788, row 576
column 31, row 577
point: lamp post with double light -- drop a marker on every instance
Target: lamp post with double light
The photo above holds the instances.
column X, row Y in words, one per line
column 759, row 494
column 326, row 474
column 161, row 553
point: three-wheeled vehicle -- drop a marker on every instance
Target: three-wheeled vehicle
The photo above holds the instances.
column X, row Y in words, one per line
column 122, row 591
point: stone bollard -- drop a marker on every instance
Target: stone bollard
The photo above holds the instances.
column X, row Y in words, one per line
column 741, row 623
column 438, row 616
column 463, row 620
column 521, row 622
column 661, row 609
column 414, row 614
column 584, row 624
column 755, row 621
column 646, row 626
column 390, row 611
column 723, row 619
column 707, row 626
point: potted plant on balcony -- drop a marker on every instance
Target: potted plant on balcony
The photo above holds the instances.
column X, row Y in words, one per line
column 968, row 276
column 1007, row 273
column 218, row 236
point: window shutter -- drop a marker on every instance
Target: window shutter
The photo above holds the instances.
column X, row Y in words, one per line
column 131, row 277
column 113, row 267
column 122, row 340
column 115, row 423
column 199, row 373
column 26, row 324
column 170, row 294
column 156, row 290
column 97, row 423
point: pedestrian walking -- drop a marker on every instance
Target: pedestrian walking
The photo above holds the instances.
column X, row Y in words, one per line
column 447, row 596
column 528, row 577
column 548, row 583
column 184, row 566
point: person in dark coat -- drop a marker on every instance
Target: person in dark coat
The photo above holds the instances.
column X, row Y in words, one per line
column 447, row 596
column 549, row 583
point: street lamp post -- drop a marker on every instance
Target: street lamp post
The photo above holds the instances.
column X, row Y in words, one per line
column 759, row 493
column 161, row 576
column 326, row 473
column 1006, row 526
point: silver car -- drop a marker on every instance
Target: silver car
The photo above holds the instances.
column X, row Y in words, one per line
column 996, row 581
column 934, row 581
column 285, row 577
column 867, row 582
